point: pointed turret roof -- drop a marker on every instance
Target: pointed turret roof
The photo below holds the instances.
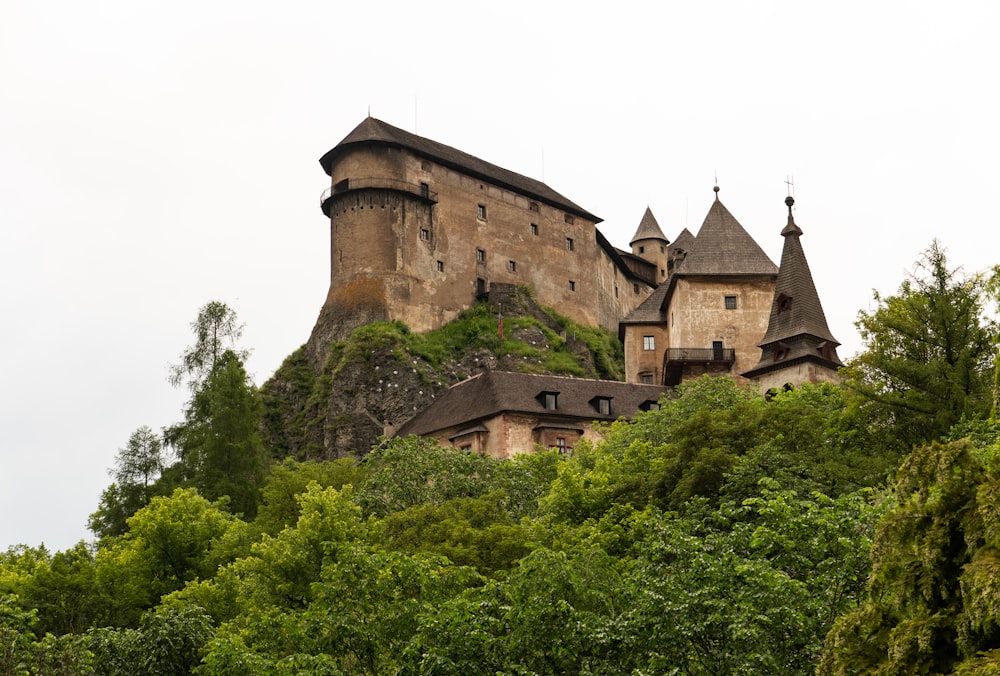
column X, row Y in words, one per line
column 723, row 247
column 803, row 312
column 374, row 131
column 796, row 329
column 648, row 229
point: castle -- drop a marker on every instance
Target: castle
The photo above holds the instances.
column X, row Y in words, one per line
column 419, row 231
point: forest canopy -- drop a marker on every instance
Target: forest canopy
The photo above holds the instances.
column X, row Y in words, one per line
column 831, row 529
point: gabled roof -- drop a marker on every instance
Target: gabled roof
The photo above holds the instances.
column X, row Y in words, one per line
column 803, row 314
column 650, row 311
column 648, row 229
column 723, row 247
column 491, row 393
column 374, row 131
column 684, row 242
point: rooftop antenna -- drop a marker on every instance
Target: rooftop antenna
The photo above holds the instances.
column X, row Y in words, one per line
column 369, row 110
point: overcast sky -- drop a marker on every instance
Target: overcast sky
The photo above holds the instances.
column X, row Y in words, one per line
column 158, row 155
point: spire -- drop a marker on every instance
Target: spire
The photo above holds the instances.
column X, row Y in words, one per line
column 797, row 327
column 791, row 228
column 648, row 229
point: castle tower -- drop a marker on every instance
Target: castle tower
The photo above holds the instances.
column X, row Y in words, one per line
column 710, row 312
column 650, row 244
column 798, row 346
column 420, row 231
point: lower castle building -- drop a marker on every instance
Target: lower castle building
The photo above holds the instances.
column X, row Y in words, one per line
column 419, row 231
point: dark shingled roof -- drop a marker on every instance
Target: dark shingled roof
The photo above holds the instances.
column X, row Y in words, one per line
column 648, row 228
column 799, row 328
column 650, row 311
column 684, row 242
column 795, row 281
column 723, row 247
column 493, row 392
column 373, row 131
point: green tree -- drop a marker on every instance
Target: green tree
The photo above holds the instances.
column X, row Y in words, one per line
column 170, row 542
column 217, row 330
column 929, row 350
column 168, row 641
column 932, row 603
column 137, row 468
column 220, row 442
column 287, row 480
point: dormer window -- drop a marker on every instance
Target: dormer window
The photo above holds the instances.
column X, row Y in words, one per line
column 780, row 351
column 783, row 303
column 602, row 405
column 549, row 400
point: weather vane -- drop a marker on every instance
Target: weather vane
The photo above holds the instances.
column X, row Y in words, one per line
column 790, row 182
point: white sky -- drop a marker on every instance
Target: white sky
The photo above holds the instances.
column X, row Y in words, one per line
column 158, row 155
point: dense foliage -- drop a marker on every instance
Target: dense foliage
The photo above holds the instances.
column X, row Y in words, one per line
column 833, row 530
column 667, row 546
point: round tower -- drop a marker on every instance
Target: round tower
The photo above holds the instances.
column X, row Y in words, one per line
column 650, row 244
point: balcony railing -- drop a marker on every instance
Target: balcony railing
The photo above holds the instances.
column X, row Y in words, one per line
column 418, row 189
column 725, row 355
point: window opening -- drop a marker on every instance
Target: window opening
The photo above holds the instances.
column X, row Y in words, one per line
column 648, row 343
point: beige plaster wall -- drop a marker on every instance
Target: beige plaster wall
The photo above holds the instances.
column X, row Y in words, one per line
column 697, row 315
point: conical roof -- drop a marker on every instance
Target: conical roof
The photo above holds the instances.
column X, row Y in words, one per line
column 723, row 247
column 796, row 309
column 374, row 131
column 648, row 229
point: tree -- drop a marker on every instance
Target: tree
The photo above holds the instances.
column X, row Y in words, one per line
column 932, row 601
column 929, row 352
column 220, row 442
column 217, row 329
column 137, row 467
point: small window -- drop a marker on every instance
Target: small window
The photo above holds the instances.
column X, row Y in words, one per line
column 662, row 249
column 533, row 206
column 784, row 303
column 561, row 444
column 425, row 234
column 648, row 343
column 534, row 229
column 481, row 212
column 440, row 266
column 549, row 400
column 511, row 266
column 642, row 249
column 480, row 256
column 730, row 302
column 602, row 404
column 572, row 285
column 425, row 190
column 569, row 219
column 616, row 292
column 425, row 166
column 569, row 244
column 646, row 378
column 635, row 288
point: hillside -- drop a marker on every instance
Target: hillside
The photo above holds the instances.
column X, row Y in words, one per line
column 333, row 399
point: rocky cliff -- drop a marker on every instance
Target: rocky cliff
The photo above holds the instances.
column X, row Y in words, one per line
column 335, row 398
